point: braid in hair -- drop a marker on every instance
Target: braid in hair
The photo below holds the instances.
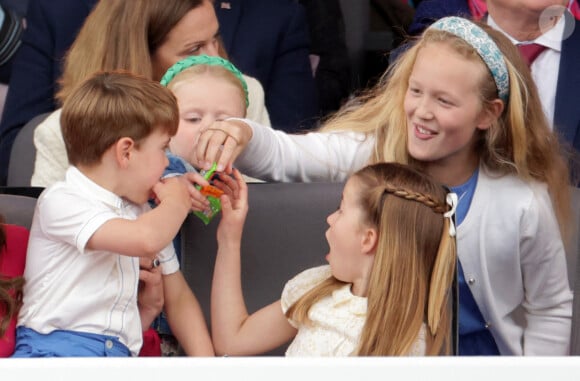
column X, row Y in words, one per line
column 406, row 194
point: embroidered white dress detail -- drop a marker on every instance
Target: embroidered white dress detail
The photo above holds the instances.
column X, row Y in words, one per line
column 336, row 320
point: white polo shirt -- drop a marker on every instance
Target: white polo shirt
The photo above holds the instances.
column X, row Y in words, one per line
column 70, row 288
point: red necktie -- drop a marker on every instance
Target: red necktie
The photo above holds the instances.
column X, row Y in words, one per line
column 530, row 52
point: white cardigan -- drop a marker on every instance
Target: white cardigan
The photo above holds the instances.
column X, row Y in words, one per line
column 51, row 161
column 509, row 244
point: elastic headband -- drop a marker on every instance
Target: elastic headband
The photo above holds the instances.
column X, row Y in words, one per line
column 483, row 45
column 204, row 60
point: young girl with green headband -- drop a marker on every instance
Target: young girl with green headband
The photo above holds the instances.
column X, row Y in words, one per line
column 208, row 89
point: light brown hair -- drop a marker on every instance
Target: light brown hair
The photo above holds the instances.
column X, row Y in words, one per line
column 112, row 105
column 413, row 266
column 120, row 35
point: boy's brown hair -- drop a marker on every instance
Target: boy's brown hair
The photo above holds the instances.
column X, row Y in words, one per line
column 109, row 106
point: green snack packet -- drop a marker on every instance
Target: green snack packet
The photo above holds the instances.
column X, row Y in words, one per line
column 215, row 204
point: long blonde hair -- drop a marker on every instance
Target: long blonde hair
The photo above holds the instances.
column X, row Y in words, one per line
column 120, row 35
column 413, row 267
column 520, row 141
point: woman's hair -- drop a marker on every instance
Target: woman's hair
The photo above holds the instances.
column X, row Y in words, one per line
column 413, row 267
column 10, row 290
column 111, row 105
column 520, row 141
column 121, row 34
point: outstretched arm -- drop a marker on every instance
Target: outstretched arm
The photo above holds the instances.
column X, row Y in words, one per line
column 234, row 331
column 185, row 316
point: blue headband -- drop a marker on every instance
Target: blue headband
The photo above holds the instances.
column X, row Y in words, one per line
column 204, row 60
column 483, row 45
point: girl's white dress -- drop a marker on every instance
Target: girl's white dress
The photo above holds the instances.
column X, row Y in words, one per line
column 337, row 320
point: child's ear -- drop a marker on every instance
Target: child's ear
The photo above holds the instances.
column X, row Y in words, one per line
column 370, row 239
column 123, row 151
column 490, row 114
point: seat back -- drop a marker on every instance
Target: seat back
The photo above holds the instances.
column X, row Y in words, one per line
column 573, row 255
column 21, row 164
column 572, row 245
column 17, row 209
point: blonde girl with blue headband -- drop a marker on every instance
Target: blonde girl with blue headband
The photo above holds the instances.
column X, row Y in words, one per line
column 384, row 292
column 460, row 105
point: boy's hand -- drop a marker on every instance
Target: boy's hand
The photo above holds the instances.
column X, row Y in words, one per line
column 222, row 142
column 234, row 211
column 199, row 202
column 150, row 295
column 173, row 190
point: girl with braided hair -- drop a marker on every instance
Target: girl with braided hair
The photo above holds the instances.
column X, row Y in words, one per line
column 385, row 290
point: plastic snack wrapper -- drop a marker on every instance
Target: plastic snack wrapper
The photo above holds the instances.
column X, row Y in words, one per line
column 213, row 195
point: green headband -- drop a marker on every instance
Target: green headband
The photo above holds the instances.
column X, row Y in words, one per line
column 204, row 60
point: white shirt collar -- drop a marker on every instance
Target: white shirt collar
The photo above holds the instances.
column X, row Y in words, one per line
column 551, row 39
column 78, row 179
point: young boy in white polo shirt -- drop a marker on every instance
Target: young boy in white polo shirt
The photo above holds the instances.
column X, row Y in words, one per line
column 88, row 232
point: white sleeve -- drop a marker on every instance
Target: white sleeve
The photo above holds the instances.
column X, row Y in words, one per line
column 548, row 299
column 274, row 155
column 51, row 161
column 168, row 260
column 68, row 217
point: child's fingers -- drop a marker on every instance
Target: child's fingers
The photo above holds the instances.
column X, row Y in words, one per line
column 226, row 204
column 227, row 154
column 200, row 206
column 227, row 184
column 150, row 276
column 157, row 188
column 197, row 198
column 209, row 147
column 241, row 184
column 241, row 191
column 195, row 178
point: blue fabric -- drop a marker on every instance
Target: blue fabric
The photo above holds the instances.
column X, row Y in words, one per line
column 177, row 166
column 60, row 343
column 430, row 10
column 567, row 112
column 269, row 40
column 474, row 338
